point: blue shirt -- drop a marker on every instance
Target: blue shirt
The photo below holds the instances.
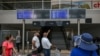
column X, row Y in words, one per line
column 81, row 52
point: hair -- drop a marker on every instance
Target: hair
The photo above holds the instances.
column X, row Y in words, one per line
column 8, row 37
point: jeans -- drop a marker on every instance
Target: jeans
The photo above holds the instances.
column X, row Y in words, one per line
column 18, row 46
column 46, row 52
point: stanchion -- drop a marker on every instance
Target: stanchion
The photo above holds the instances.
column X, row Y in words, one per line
column 78, row 22
column 23, row 51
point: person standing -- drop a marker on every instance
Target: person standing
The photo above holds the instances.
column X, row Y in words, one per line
column 8, row 46
column 46, row 44
column 36, row 43
column 85, row 46
column 18, row 41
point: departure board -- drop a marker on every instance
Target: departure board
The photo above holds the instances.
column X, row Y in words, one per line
column 24, row 14
column 59, row 14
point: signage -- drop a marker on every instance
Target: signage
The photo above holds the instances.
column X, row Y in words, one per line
column 50, row 23
column 65, row 23
column 96, row 5
column 36, row 23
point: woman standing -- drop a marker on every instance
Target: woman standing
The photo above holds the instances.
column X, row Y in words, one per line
column 84, row 46
column 8, row 46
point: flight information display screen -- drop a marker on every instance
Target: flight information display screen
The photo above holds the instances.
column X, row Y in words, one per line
column 59, row 14
column 41, row 14
column 24, row 14
column 77, row 13
column 51, row 14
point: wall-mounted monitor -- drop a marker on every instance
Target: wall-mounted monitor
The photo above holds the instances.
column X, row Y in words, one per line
column 24, row 14
column 59, row 14
column 41, row 14
column 77, row 13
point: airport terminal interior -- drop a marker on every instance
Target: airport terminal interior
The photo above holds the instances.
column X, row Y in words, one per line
column 65, row 19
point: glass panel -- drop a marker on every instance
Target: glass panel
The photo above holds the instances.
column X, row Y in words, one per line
column 24, row 5
column 37, row 5
column 28, row 0
column 8, row 0
column 81, row 0
column 86, row 5
column 46, row 0
column 55, row 5
column 8, row 6
column 47, row 5
column 75, row 5
column 32, row 5
column 65, row 0
column 65, row 5
column 55, row 0
column 37, row 0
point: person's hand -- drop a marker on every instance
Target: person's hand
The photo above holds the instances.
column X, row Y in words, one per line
column 17, row 54
column 49, row 30
column 35, row 49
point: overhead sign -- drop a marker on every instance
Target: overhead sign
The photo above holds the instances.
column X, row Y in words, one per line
column 50, row 23
column 65, row 23
column 36, row 23
column 24, row 14
column 59, row 14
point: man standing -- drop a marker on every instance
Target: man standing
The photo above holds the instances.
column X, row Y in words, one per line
column 36, row 43
column 46, row 44
column 18, row 41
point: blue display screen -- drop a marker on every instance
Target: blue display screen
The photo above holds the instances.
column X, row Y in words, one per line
column 59, row 14
column 24, row 14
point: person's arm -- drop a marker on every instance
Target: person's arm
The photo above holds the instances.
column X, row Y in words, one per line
column 33, row 43
column 48, row 43
column 15, row 51
column 48, row 32
column 4, row 51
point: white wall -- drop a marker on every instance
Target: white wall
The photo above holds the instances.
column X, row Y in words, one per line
column 9, row 17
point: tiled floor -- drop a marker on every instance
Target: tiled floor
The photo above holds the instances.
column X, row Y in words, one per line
column 63, row 53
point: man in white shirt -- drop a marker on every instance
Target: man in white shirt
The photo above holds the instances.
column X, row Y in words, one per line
column 36, row 43
column 46, row 44
column 18, row 41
